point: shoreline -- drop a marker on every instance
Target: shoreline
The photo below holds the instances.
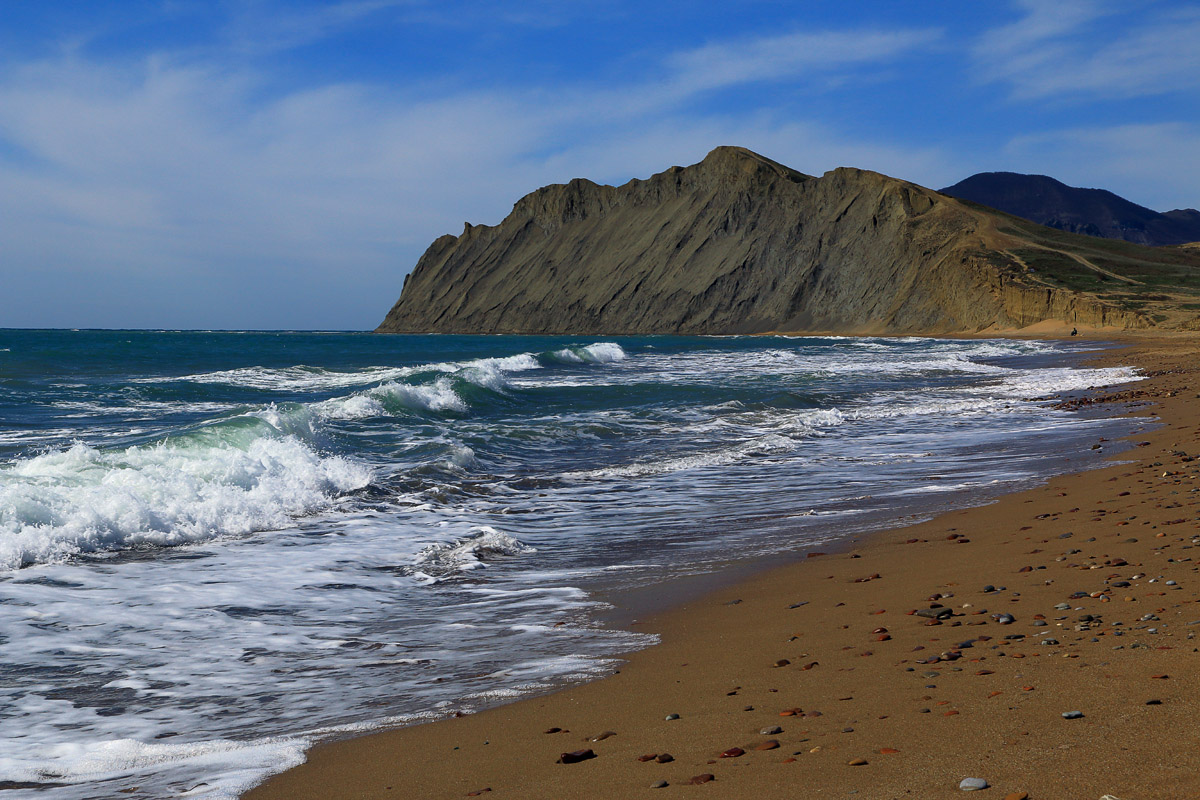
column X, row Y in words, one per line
column 866, row 694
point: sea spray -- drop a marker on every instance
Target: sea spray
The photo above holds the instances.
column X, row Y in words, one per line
column 85, row 500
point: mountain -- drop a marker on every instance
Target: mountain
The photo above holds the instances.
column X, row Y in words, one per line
column 1094, row 212
column 741, row 244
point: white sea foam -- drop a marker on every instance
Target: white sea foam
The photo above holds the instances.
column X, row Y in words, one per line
column 235, row 766
column 437, row 396
column 440, row 561
column 760, row 446
column 215, row 483
column 783, row 430
column 1039, row 383
column 598, row 353
column 305, row 378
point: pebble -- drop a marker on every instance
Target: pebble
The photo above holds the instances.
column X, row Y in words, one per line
column 1017, row 796
column 600, row 737
column 664, row 758
column 704, row 778
column 771, row 730
column 858, row 762
column 972, row 784
column 769, row 744
column 670, row 717
column 934, row 613
column 1072, row 714
column 659, row 785
column 783, row 662
column 733, row 752
column 575, row 756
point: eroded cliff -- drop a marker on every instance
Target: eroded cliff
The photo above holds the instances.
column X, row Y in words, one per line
column 741, row 244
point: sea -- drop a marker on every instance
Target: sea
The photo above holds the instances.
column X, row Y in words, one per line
column 217, row 548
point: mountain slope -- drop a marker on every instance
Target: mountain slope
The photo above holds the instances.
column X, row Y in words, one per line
column 1094, row 212
column 741, row 244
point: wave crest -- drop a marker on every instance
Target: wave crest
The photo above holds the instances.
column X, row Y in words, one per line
column 226, row 480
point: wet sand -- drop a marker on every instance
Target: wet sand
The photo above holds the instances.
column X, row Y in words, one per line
column 890, row 669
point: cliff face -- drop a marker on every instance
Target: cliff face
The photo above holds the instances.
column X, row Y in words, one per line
column 736, row 244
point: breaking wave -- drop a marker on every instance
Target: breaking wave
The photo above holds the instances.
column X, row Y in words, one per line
column 246, row 474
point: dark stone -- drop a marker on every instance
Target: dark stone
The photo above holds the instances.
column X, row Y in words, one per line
column 575, row 756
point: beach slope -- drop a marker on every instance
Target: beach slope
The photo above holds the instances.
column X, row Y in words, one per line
column 1042, row 644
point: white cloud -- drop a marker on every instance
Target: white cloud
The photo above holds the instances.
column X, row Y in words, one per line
column 259, row 27
column 793, row 55
column 1078, row 48
column 191, row 193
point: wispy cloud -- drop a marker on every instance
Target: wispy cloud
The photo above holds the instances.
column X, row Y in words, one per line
column 262, row 27
column 178, row 177
column 792, row 55
column 1086, row 49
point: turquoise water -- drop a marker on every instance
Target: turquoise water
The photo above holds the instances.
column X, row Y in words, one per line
column 216, row 548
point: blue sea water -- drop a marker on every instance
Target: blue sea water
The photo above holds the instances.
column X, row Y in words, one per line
column 217, row 548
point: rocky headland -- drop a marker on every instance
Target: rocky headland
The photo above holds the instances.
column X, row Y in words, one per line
column 741, row 244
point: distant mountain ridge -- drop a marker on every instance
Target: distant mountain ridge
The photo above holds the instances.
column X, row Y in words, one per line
column 738, row 243
column 1092, row 212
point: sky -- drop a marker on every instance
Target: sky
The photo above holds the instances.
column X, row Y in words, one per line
column 261, row 164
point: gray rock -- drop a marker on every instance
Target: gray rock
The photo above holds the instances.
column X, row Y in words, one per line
column 935, row 613
column 771, row 730
column 1072, row 715
column 972, row 784
column 670, row 717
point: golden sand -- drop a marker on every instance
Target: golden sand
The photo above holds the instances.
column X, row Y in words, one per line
column 849, row 677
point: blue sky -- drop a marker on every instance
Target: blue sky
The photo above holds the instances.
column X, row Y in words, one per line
column 267, row 164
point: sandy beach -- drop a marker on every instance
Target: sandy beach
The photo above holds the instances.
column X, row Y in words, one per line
column 1042, row 644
